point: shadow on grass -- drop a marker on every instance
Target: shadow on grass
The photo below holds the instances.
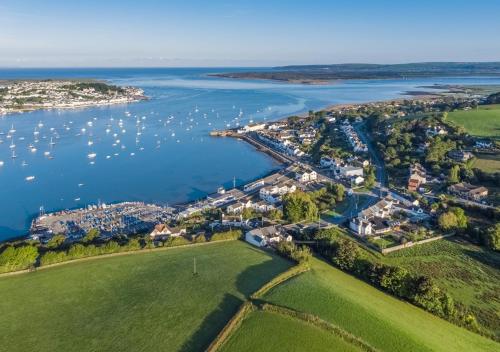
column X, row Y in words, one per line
column 212, row 324
column 247, row 282
column 485, row 257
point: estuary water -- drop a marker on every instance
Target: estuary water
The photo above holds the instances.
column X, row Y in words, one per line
column 157, row 150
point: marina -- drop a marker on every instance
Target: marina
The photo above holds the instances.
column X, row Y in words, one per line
column 113, row 219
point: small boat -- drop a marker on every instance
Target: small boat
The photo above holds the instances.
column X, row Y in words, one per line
column 89, row 143
column 91, row 155
column 30, row 178
column 24, row 163
column 12, row 129
column 1, row 163
column 46, row 153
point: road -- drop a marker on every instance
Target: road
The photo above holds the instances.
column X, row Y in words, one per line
column 354, row 206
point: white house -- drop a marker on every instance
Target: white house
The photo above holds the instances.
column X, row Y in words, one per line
column 251, row 186
column 361, row 227
column 265, row 236
column 358, row 180
column 351, row 171
column 162, row 231
column 304, row 177
column 238, row 207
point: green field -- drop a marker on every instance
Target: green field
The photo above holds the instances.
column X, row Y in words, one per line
column 141, row 302
column 469, row 273
column 488, row 162
column 483, row 122
column 265, row 331
column 379, row 319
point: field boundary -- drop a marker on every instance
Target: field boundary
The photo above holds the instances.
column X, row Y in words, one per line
column 285, row 276
column 316, row 321
column 248, row 306
column 102, row 256
column 231, row 326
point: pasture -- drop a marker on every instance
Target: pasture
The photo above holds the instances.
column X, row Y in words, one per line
column 481, row 122
column 373, row 316
column 469, row 273
column 143, row 302
column 265, row 331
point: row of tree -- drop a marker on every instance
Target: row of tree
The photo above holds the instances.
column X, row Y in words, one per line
column 417, row 289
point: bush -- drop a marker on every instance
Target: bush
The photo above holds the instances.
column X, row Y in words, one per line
column 56, row 241
column 177, row 241
column 290, row 251
column 18, row 258
column 52, row 257
column 226, row 235
column 200, row 239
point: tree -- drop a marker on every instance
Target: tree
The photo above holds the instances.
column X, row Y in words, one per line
column 298, row 206
column 274, row 214
column 454, row 175
column 454, row 219
column 248, row 213
column 17, row 258
column 91, row 235
column 493, row 237
column 337, row 190
column 56, row 241
column 370, row 177
column 447, row 221
column 345, row 254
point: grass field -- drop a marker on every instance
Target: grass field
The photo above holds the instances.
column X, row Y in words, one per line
column 265, row 331
column 488, row 162
column 469, row 273
column 143, row 302
column 483, row 122
column 379, row 319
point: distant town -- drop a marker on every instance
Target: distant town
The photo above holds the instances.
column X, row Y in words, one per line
column 28, row 95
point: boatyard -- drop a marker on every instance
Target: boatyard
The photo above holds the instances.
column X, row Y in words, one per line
column 115, row 219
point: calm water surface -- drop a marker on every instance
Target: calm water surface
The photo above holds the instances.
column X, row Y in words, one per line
column 157, row 150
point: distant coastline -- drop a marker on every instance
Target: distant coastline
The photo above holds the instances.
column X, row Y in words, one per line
column 324, row 74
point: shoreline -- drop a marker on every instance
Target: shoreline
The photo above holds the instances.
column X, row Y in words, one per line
column 62, row 107
column 279, row 160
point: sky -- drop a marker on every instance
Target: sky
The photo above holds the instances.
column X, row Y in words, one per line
column 126, row 33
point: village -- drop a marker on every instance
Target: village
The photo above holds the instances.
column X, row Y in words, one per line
column 19, row 96
column 320, row 154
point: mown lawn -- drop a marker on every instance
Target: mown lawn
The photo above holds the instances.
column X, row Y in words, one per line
column 469, row 273
column 265, row 331
column 488, row 162
column 141, row 302
column 379, row 319
column 483, row 122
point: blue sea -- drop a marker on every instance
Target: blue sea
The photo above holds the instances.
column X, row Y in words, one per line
column 157, row 150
